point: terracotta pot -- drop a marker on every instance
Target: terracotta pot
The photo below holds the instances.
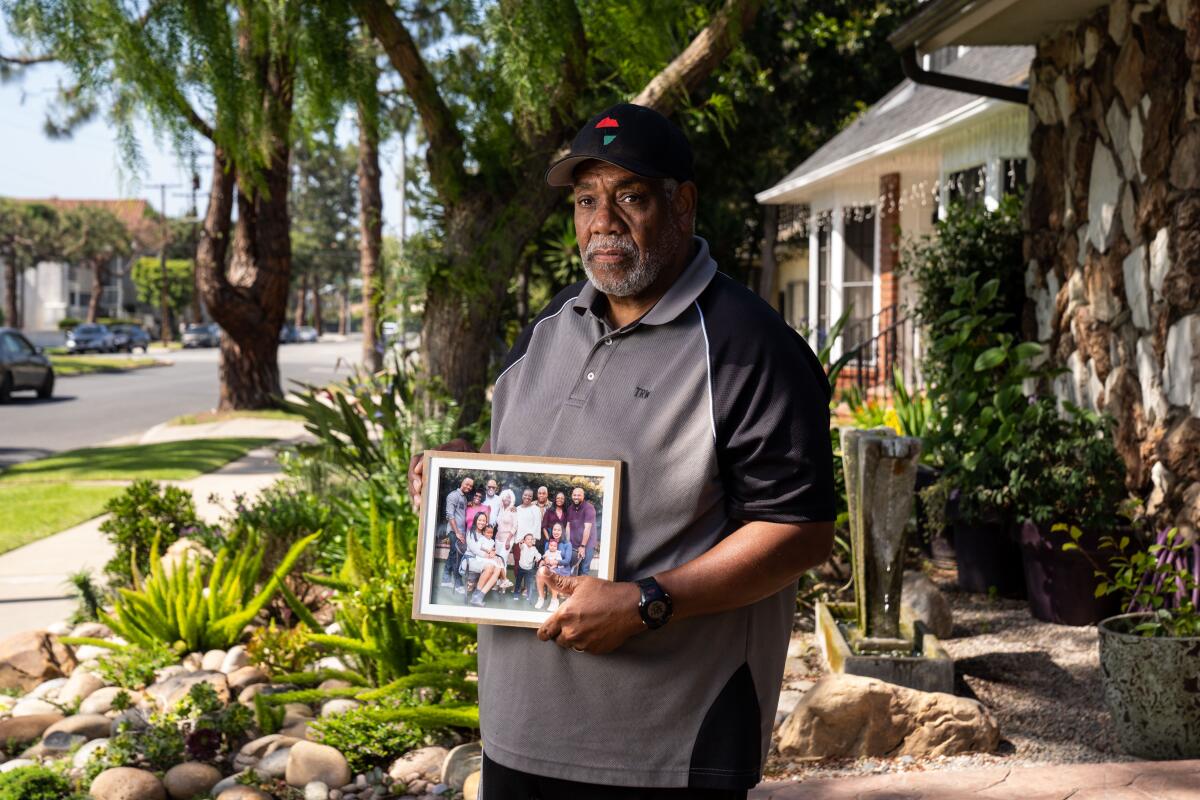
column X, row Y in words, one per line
column 1152, row 689
column 1061, row 585
column 988, row 556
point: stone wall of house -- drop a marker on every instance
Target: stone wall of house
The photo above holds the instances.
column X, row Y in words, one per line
column 1113, row 242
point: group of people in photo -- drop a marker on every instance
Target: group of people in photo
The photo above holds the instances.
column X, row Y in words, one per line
column 487, row 531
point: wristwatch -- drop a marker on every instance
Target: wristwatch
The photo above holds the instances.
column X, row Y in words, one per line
column 655, row 606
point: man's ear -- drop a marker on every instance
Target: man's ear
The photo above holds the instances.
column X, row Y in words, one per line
column 683, row 207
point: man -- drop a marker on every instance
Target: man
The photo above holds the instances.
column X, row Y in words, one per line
column 543, row 498
column 581, row 524
column 456, row 533
column 492, row 500
column 529, row 518
column 719, row 413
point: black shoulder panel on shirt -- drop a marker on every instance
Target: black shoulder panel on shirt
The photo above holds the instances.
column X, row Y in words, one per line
column 521, row 345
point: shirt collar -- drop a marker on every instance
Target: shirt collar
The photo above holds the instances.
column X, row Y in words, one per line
column 682, row 293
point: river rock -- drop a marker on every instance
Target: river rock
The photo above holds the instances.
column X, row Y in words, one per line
column 32, row 706
column 47, row 690
column 274, row 764
column 254, row 751
column 470, row 790
column 190, row 779
column 334, row 683
column 92, row 630
column 213, row 660
column 242, row 677
column 297, row 728
column 316, row 791
column 235, row 659
column 26, row 729
column 298, row 710
column 424, row 762
column 16, row 763
column 461, row 762
column 166, row 694
column 127, row 783
column 339, row 705
column 310, row 762
column 101, row 700
column 79, row 686
column 243, row 793
column 225, row 783
column 58, row 743
column 84, row 753
column 928, row 603
column 89, row 726
column 848, row 716
column 31, row 657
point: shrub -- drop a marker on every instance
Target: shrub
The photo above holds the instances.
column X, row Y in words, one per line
column 279, row 650
column 195, row 606
column 134, row 667
column 34, row 783
column 67, row 323
column 366, row 740
column 143, row 512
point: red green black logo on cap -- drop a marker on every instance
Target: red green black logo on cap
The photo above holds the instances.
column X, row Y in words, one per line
column 608, row 122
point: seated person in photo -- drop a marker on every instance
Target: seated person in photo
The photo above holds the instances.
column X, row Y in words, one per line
column 556, row 561
column 527, row 560
column 483, row 559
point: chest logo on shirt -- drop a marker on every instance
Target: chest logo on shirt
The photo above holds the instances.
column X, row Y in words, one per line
column 638, row 391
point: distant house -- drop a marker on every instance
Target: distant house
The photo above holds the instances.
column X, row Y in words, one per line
column 1112, row 213
column 57, row 290
column 888, row 175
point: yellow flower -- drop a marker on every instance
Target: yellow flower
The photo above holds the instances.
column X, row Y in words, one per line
column 892, row 420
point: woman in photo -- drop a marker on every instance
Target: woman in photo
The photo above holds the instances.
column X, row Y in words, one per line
column 482, row 558
column 506, row 522
column 477, row 506
column 557, row 561
column 555, row 515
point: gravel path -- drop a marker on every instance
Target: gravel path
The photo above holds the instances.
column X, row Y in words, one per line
column 1041, row 681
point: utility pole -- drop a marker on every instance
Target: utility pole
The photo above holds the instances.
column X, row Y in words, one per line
column 162, row 259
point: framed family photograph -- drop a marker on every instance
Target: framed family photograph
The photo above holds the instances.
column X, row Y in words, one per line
column 496, row 530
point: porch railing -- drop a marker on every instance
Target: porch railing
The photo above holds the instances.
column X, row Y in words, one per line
column 883, row 347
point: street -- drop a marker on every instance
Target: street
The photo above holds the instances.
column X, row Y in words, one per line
column 93, row 409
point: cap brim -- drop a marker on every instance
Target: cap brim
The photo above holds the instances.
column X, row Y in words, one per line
column 562, row 172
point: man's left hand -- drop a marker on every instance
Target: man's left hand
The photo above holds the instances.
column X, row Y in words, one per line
column 597, row 617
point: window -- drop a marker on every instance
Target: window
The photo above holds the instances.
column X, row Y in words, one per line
column 968, row 186
column 858, row 277
column 16, row 346
column 795, row 303
column 1012, row 175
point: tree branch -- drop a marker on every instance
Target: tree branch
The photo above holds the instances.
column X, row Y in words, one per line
column 697, row 61
column 25, row 61
column 445, row 152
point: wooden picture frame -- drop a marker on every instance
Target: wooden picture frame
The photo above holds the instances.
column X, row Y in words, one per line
column 444, row 472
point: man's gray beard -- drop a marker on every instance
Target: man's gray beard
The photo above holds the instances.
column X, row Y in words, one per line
column 633, row 280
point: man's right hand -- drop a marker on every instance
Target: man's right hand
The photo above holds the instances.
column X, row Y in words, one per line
column 416, row 468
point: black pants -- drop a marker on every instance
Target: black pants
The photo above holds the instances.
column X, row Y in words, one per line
column 501, row 783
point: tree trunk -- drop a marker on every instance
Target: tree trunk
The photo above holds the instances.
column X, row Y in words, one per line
column 301, row 314
column 343, row 311
column 370, row 220
column 99, row 271
column 11, row 316
column 197, row 314
column 766, row 278
column 316, row 295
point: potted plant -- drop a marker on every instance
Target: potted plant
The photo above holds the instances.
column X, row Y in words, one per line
column 1150, row 655
column 1064, row 474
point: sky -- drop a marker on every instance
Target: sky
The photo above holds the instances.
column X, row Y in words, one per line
column 89, row 165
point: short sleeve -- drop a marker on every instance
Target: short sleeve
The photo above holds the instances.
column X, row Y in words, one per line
column 771, row 417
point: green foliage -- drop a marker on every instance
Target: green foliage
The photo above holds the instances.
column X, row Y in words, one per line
column 278, row 650
column 88, row 595
column 1161, row 581
column 146, row 512
column 133, row 667
column 195, row 606
column 969, row 289
column 366, row 740
column 147, row 277
column 1064, row 467
column 34, row 783
column 93, row 236
column 69, row 323
column 28, row 234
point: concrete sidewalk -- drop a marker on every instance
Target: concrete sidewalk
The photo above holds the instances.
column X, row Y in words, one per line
column 1135, row 780
column 33, row 591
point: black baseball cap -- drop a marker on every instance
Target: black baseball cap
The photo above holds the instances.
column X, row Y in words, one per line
column 635, row 138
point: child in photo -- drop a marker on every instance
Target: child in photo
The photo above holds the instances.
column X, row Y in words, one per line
column 556, row 561
column 528, row 557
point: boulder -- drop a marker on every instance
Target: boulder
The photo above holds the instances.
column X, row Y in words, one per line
column 47, row 690
column 84, row 753
column 92, row 630
column 928, row 603
column 296, row 728
column 213, row 660
column 101, row 700
column 31, row 657
column 246, row 696
column 274, row 764
column 32, row 707
column 470, row 790
column 89, row 726
column 243, row 793
column 166, row 694
column 460, row 763
column 252, row 752
column 191, row 779
column 242, row 677
column 127, row 783
column 235, row 659
column 26, row 729
column 310, row 762
column 339, row 705
column 849, row 716
column 424, row 762
column 79, row 686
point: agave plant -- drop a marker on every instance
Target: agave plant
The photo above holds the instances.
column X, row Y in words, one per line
column 194, row 606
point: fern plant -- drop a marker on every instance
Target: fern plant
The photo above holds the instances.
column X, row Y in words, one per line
column 196, row 607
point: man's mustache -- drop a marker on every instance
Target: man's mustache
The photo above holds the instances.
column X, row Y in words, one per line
column 625, row 246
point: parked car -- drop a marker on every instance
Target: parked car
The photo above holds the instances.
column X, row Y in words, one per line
column 90, row 336
column 23, row 366
column 306, row 334
column 198, row 335
column 130, row 337
column 287, row 334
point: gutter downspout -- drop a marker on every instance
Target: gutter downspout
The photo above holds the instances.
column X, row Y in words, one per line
column 955, row 83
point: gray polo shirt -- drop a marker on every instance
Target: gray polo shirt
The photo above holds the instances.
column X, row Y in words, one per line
column 720, row 413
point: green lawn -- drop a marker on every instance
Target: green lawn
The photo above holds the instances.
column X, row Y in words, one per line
column 220, row 416
column 37, row 510
column 163, row 461
column 65, row 366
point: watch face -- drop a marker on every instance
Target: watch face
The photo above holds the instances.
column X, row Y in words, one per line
column 657, row 609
